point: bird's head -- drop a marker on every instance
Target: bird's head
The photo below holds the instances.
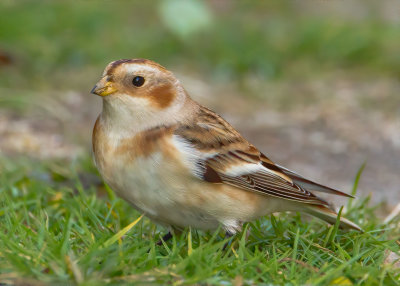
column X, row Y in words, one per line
column 140, row 89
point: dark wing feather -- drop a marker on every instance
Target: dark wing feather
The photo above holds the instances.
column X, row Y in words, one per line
column 313, row 186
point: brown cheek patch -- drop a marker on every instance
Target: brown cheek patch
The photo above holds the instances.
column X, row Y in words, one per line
column 162, row 96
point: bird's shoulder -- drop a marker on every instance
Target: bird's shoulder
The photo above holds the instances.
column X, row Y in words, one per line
column 209, row 132
column 220, row 145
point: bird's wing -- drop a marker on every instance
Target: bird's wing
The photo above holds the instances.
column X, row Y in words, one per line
column 222, row 155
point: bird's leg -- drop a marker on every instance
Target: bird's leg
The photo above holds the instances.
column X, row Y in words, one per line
column 228, row 234
column 166, row 237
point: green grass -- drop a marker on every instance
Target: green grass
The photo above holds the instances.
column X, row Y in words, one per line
column 60, row 224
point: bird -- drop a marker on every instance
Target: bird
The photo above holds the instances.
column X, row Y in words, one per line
column 183, row 165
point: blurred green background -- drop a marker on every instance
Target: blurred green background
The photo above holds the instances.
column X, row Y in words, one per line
column 315, row 84
column 56, row 43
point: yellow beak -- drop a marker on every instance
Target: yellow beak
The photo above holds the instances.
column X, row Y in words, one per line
column 103, row 87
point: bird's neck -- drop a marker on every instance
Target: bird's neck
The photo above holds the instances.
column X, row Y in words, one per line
column 124, row 121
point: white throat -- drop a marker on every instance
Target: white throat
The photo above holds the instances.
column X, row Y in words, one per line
column 124, row 116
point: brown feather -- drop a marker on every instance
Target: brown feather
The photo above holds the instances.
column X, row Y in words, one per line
column 143, row 143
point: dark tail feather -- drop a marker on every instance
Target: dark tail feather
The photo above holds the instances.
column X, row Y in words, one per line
column 330, row 216
column 310, row 185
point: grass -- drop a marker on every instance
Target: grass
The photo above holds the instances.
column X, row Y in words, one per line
column 59, row 224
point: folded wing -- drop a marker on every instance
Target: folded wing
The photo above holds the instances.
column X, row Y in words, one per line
column 226, row 157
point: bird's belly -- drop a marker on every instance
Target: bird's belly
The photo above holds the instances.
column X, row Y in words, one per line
column 160, row 189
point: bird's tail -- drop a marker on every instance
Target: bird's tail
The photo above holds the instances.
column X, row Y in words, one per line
column 330, row 216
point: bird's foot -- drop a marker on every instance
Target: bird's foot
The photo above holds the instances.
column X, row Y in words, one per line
column 229, row 242
column 166, row 237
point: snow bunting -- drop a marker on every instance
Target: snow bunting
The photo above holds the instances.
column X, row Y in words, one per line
column 183, row 165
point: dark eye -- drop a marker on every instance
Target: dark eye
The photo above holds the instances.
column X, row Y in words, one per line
column 138, row 81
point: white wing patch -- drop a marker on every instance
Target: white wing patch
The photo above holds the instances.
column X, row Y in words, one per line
column 247, row 169
column 243, row 169
column 189, row 154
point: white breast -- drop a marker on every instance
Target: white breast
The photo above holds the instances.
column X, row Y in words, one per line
column 139, row 182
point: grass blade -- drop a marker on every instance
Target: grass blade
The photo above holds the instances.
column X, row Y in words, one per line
column 120, row 233
column 355, row 185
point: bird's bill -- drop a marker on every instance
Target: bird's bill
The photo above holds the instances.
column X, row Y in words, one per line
column 103, row 88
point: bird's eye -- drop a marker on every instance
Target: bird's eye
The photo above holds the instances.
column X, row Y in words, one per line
column 138, row 81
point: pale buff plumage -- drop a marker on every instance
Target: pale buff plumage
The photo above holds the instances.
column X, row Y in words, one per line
column 183, row 165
